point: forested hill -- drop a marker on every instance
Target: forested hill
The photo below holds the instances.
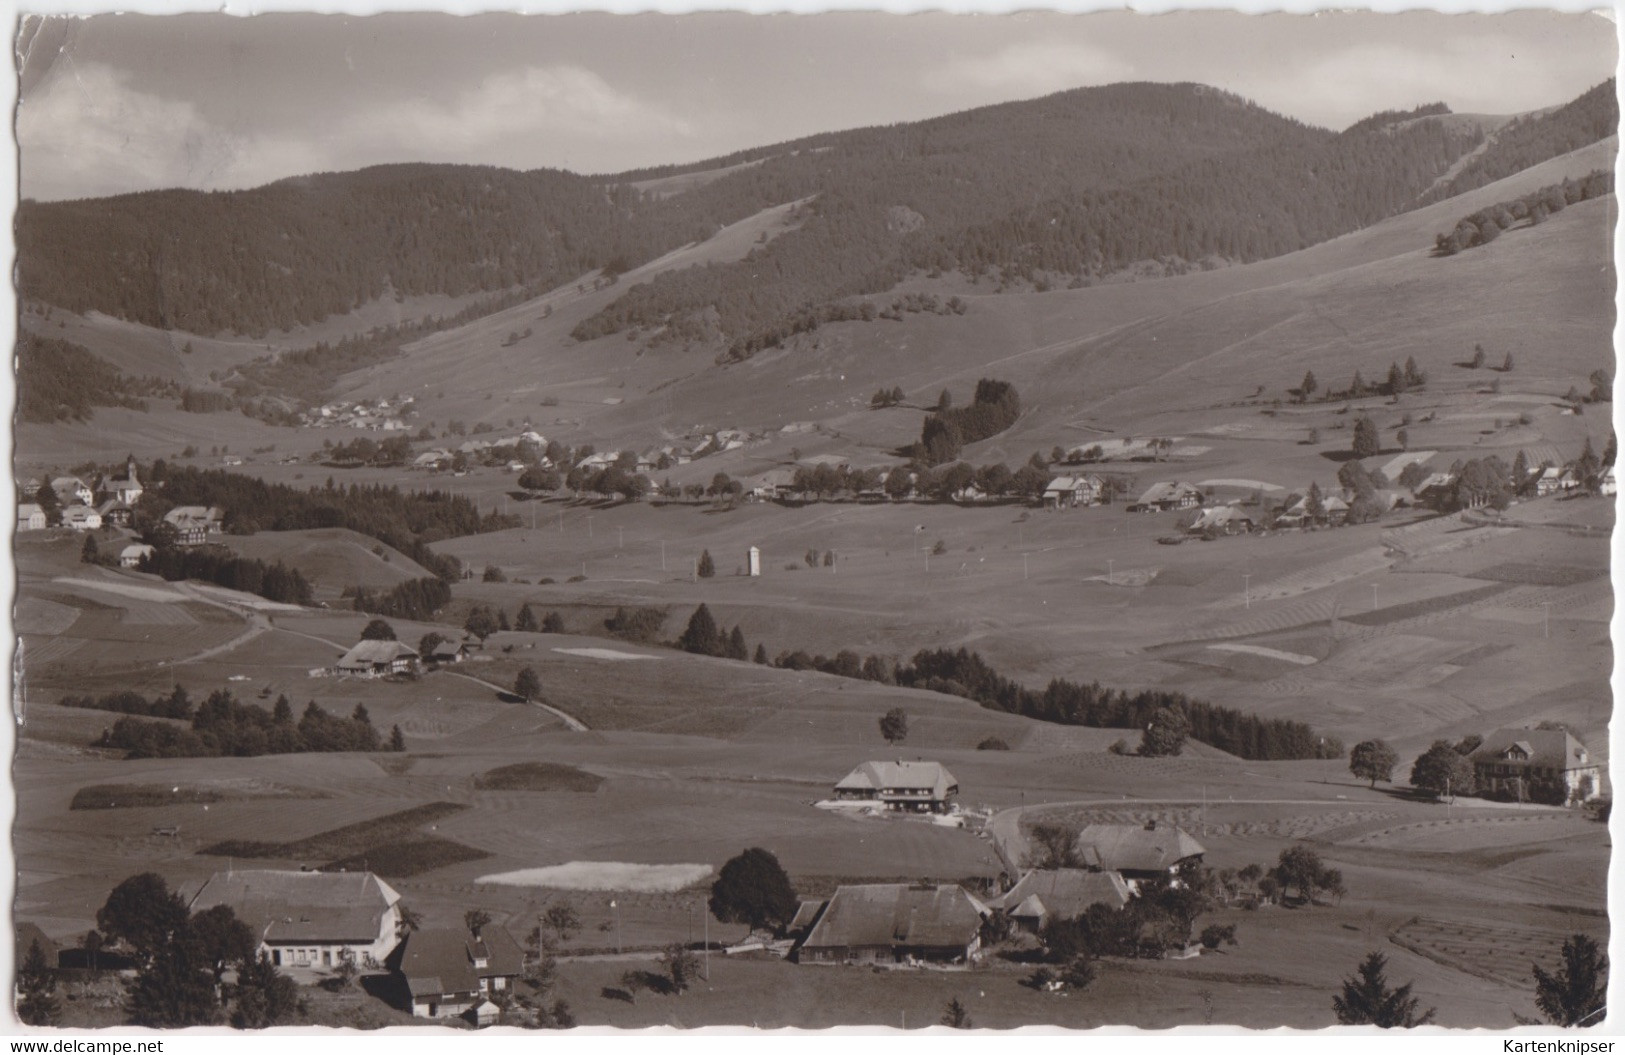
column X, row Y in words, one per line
column 299, row 250
column 1064, row 188
column 1538, row 137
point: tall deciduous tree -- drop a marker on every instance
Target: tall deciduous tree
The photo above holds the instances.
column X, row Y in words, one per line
column 143, row 912
column 1165, row 734
column 1367, row 1000
column 378, row 630
column 527, row 686
column 753, row 888
column 894, row 725
column 1373, row 760
column 1443, row 770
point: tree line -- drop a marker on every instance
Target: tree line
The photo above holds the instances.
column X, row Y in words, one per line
column 965, row 674
column 416, row 599
column 222, row 726
column 1486, row 225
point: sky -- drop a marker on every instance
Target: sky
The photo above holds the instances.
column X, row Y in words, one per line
column 117, row 103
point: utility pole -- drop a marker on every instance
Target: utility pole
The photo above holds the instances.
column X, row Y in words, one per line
column 1247, row 590
column 662, row 554
column 1546, row 620
column 1023, row 567
column 1373, row 597
column 1111, row 578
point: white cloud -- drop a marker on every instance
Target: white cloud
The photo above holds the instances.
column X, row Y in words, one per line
column 514, row 117
column 1479, row 73
column 87, row 132
column 1028, row 69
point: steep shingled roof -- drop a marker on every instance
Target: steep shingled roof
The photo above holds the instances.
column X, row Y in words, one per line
column 287, row 906
column 1062, row 892
column 897, row 914
column 1551, row 748
column 1134, row 848
column 366, row 654
column 918, row 776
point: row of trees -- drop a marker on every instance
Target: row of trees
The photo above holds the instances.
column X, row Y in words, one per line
column 1486, row 225
column 222, row 726
column 1397, row 382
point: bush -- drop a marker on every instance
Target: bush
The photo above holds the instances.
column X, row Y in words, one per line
column 993, row 743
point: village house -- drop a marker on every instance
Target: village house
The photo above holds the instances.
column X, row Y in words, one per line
column 895, row 923
column 1554, row 480
column 1069, row 492
column 194, row 524
column 1221, row 520
column 1538, row 765
column 775, row 483
column 916, row 786
column 447, row 652
column 1606, row 484
column 1044, row 894
column 70, row 490
column 81, row 518
column 115, row 513
column 1137, row 852
column 131, row 556
column 309, row 919
column 1168, row 495
column 452, row 972
column 377, row 659
column 30, row 517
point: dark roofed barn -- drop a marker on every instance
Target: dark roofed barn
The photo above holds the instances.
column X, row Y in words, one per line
column 895, row 923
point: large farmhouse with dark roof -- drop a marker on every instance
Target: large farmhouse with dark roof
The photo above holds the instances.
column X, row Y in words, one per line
column 309, row 919
column 900, row 785
column 452, row 972
column 376, row 659
column 895, row 923
column 1044, row 894
column 1138, row 852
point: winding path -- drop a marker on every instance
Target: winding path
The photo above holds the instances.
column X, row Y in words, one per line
column 570, row 720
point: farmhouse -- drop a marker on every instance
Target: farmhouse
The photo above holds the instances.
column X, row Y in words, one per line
column 116, row 513
column 448, row 652
column 131, row 556
column 30, row 517
column 194, row 524
column 377, row 659
column 1606, row 485
column 1165, row 496
column 775, row 483
column 81, row 518
column 1152, row 851
column 309, row 919
column 1060, row 893
column 452, row 972
column 1221, row 520
column 918, row 786
column 1542, row 765
column 1069, row 492
column 895, row 923
column 1553, row 479
column 71, row 489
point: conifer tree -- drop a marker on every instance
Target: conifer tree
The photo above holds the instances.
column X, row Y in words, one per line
column 701, row 636
column 525, row 620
